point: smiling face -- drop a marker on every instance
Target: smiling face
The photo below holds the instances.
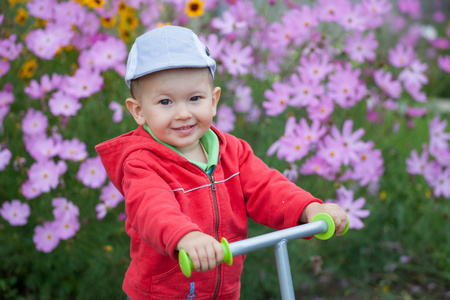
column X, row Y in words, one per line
column 178, row 105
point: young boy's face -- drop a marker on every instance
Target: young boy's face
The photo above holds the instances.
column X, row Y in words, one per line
column 178, row 105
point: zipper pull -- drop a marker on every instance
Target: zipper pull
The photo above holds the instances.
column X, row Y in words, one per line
column 213, row 185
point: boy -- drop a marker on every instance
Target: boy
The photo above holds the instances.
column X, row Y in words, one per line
column 186, row 184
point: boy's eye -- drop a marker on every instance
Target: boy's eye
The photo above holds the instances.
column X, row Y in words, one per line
column 165, row 102
column 195, row 98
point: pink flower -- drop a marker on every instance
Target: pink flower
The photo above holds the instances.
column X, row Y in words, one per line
column 441, row 185
column 331, row 151
column 215, row 45
column 444, row 63
column 438, row 137
column 30, row 189
column 369, row 168
column 9, row 49
column 243, row 98
column 291, row 172
column 414, row 74
column 45, row 174
column 410, row 7
column 66, row 228
column 377, row 6
column 391, row 87
column 356, row 19
column 344, row 86
column 225, row 118
column 317, row 165
column 108, row 53
column 315, row 67
column 69, row 13
column 73, row 149
column 5, row 157
column 64, row 209
column 440, row 43
column 401, row 55
column 47, row 84
column 45, row 237
column 321, row 109
column 304, row 91
column 15, row 212
column 349, row 140
column 41, row 147
column 118, row 111
column 278, row 98
column 62, row 104
column 237, row 59
column 416, row 164
column 361, row 48
column 228, row 25
column 333, row 10
column 84, row 83
column 34, row 123
column 6, row 97
column 91, row 24
column 42, row 9
column 353, row 208
column 92, row 173
column 4, row 67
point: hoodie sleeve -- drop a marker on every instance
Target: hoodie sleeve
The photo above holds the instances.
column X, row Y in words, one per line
column 152, row 209
column 271, row 199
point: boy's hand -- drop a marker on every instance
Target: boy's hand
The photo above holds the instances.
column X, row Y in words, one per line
column 332, row 209
column 205, row 251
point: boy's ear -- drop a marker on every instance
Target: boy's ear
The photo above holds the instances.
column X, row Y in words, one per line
column 136, row 111
column 215, row 100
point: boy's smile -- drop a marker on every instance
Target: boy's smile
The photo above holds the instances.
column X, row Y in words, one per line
column 178, row 106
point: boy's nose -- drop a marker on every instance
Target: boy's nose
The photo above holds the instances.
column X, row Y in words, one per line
column 182, row 112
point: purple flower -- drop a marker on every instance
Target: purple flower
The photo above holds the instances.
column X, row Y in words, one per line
column 415, row 164
column 413, row 74
column 441, row 184
column 118, row 111
column 102, row 210
column 62, row 104
column 30, row 189
column 315, row 67
column 215, row 45
column 228, row 25
column 377, row 6
column 410, row 7
column 353, row 208
column 356, row 19
column 91, row 24
column 349, row 140
column 225, row 118
column 15, row 212
column 4, row 67
column 370, row 166
column 243, row 98
column 34, row 123
column 291, row 172
column 69, row 13
column 73, row 149
column 65, row 228
column 6, row 97
column 401, row 56
column 5, row 157
column 361, row 48
column 84, row 83
column 45, row 237
column 110, row 195
column 391, row 87
column 108, row 53
column 237, row 59
column 92, row 173
column 43, row 43
column 41, row 147
column 333, row 10
column 317, row 165
column 344, row 86
column 444, row 63
column 64, row 209
column 42, row 9
column 304, row 91
column 321, row 109
column 278, row 98
column 9, row 49
column 46, row 174
column 438, row 137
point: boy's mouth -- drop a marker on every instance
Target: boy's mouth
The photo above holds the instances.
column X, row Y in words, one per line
column 184, row 127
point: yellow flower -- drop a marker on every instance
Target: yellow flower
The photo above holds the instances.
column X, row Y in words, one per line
column 427, row 193
column 21, row 16
column 194, row 8
column 383, row 195
column 28, row 69
column 128, row 20
column 124, row 33
column 108, row 22
column 107, row 248
column 95, row 3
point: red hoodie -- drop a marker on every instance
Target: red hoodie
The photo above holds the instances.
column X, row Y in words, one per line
column 166, row 196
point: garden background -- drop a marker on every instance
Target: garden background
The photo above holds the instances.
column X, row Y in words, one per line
column 349, row 99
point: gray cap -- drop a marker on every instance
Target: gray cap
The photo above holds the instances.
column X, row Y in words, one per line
column 167, row 47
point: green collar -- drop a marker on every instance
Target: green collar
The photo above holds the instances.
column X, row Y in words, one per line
column 210, row 142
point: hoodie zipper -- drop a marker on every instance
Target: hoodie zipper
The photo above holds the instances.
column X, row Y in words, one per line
column 216, row 229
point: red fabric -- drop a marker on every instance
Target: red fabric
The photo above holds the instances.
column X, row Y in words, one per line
column 166, row 197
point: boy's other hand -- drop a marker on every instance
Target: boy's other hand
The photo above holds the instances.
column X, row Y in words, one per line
column 205, row 251
column 335, row 211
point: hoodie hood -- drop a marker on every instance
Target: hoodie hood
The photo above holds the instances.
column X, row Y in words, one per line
column 114, row 152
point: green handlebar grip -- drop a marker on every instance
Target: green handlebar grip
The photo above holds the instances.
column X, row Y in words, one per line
column 331, row 226
column 187, row 266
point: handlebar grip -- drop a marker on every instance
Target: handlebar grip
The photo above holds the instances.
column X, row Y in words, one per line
column 187, row 266
column 331, row 226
